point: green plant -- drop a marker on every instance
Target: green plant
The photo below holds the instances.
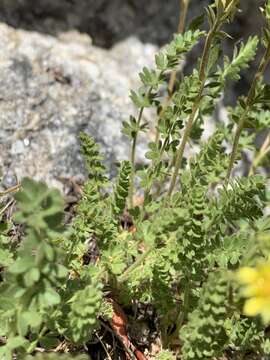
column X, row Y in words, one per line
column 56, row 357
column 178, row 251
column 165, row 355
column 36, row 273
column 204, row 335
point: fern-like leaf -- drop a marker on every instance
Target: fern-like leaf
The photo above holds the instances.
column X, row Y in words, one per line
column 241, row 59
column 192, row 236
column 204, row 336
column 85, row 305
column 181, row 44
column 93, row 158
column 121, row 189
column 244, row 199
column 211, row 163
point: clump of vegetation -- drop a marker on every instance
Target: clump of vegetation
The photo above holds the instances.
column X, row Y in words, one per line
column 177, row 253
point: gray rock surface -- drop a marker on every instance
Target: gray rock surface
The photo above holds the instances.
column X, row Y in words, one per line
column 51, row 89
column 110, row 21
column 107, row 21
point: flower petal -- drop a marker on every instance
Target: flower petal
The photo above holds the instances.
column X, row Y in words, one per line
column 247, row 275
column 255, row 306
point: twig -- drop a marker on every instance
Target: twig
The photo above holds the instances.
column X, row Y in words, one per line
column 104, row 347
column 10, row 190
column 119, row 338
column 6, row 207
column 119, row 326
column 40, row 349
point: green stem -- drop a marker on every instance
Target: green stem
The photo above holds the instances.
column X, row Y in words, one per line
column 235, row 144
column 33, row 345
column 184, row 4
column 231, row 5
column 153, row 167
column 262, row 67
column 261, row 155
column 182, row 313
column 133, row 155
column 202, row 78
column 181, row 149
column 132, row 159
column 134, row 266
column 181, row 28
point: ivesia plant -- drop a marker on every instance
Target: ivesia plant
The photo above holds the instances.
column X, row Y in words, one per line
column 178, row 253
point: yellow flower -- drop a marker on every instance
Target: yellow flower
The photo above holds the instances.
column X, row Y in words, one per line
column 256, row 288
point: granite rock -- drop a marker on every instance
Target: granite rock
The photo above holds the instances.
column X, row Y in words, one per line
column 109, row 22
column 53, row 88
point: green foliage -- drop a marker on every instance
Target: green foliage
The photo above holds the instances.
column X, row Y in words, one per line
column 54, row 356
column 121, row 188
column 7, row 248
column 257, row 113
column 204, row 336
column 244, row 334
column 93, row 218
column 40, row 208
column 176, row 252
column 82, row 318
column 93, row 159
column 165, row 355
column 244, row 199
column 209, row 167
column 33, row 278
column 240, row 60
column 181, row 44
column 194, row 240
